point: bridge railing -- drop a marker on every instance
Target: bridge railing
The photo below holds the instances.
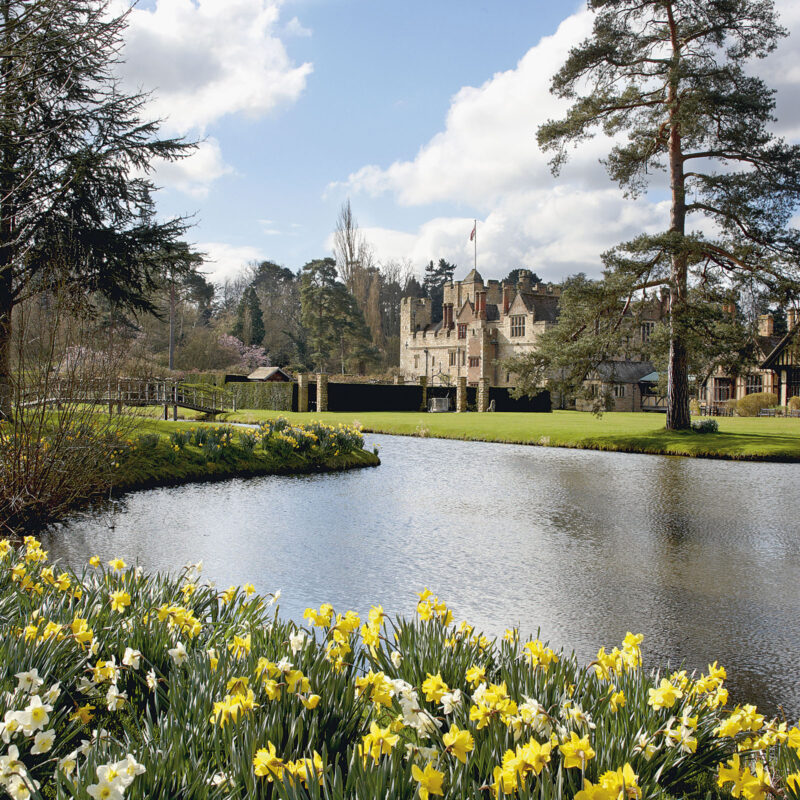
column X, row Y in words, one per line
column 136, row 392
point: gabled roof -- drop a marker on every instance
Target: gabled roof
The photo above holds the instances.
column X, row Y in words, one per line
column 518, row 305
column 265, row 373
column 542, row 307
column 467, row 305
column 782, row 342
column 625, row 371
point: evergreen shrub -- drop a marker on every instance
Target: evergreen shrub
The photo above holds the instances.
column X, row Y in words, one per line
column 751, row 404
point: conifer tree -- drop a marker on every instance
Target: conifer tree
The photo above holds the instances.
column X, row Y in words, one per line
column 76, row 206
column 670, row 74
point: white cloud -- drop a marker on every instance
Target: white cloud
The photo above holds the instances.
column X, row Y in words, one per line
column 195, row 174
column 486, row 158
column 205, row 59
column 226, row 260
column 555, row 233
column 296, row 28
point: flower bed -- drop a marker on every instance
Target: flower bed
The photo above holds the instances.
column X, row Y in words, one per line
column 120, row 684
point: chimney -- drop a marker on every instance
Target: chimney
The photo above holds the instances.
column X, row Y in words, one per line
column 792, row 317
column 448, row 316
column 508, row 294
column 524, row 279
column 766, row 325
column 480, row 304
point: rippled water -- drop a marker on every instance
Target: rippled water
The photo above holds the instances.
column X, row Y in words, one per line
column 703, row 557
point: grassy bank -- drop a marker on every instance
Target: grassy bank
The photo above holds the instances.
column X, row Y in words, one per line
column 116, row 683
column 147, row 462
column 162, row 465
column 756, row 439
column 67, row 463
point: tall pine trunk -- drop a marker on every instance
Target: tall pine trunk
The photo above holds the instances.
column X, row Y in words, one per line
column 678, row 370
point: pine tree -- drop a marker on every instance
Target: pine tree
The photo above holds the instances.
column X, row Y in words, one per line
column 670, row 74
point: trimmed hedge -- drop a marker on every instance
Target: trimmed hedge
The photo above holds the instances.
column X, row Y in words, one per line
column 266, row 396
column 751, row 404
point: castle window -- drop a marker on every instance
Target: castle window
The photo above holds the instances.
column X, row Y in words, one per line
column 755, row 384
column 474, row 361
column 463, row 357
column 433, row 361
column 416, row 362
column 452, row 358
column 647, row 331
column 518, row 325
column 462, row 330
column 619, row 390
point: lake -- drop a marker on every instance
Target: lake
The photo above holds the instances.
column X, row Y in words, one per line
column 701, row 556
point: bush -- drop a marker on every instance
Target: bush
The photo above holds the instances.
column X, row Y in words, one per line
column 794, row 403
column 694, row 407
column 751, row 404
column 705, row 426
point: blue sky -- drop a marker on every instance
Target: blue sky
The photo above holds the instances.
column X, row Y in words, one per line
column 423, row 114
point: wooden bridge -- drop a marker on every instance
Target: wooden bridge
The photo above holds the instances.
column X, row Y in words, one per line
column 136, row 392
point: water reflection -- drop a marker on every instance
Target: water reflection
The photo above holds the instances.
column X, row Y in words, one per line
column 701, row 556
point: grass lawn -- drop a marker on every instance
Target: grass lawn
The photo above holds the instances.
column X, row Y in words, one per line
column 753, row 438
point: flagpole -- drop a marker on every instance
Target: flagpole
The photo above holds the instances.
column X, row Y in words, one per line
column 476, row 245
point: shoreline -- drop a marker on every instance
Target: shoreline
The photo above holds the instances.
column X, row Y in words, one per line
column 214, row 472
column 752, row 440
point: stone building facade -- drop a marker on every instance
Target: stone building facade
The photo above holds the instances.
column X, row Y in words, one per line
column 482, row 324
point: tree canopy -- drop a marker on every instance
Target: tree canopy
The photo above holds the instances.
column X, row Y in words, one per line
column 337, row 332
column 669, row 74
column 76, row 204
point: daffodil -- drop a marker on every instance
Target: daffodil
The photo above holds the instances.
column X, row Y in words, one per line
column 429, row 779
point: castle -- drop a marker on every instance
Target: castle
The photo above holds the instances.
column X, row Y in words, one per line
column 482, row 324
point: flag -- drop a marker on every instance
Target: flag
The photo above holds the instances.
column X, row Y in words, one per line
column 474, row 231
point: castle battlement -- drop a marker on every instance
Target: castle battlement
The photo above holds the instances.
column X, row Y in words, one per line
column 482, row 324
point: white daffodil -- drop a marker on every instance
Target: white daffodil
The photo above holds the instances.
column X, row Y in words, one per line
column 43, row 742
column 68, row 764
column 297, row 641
column 52, row 694
column 104, row 791
column 29, row 681
column 397, row 658
column 19, row 788
column 35, row 716
column 178, row 654
column 10, row 764
column 114, row 698
column 451, row 701
column 132, row 658
column 129, row 768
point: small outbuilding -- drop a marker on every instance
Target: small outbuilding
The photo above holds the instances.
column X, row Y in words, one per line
column 269, row 374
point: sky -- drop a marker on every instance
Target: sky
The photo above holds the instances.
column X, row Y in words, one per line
column 422, row 114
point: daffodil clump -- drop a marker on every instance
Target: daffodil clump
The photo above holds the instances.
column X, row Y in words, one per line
column 117, row 684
